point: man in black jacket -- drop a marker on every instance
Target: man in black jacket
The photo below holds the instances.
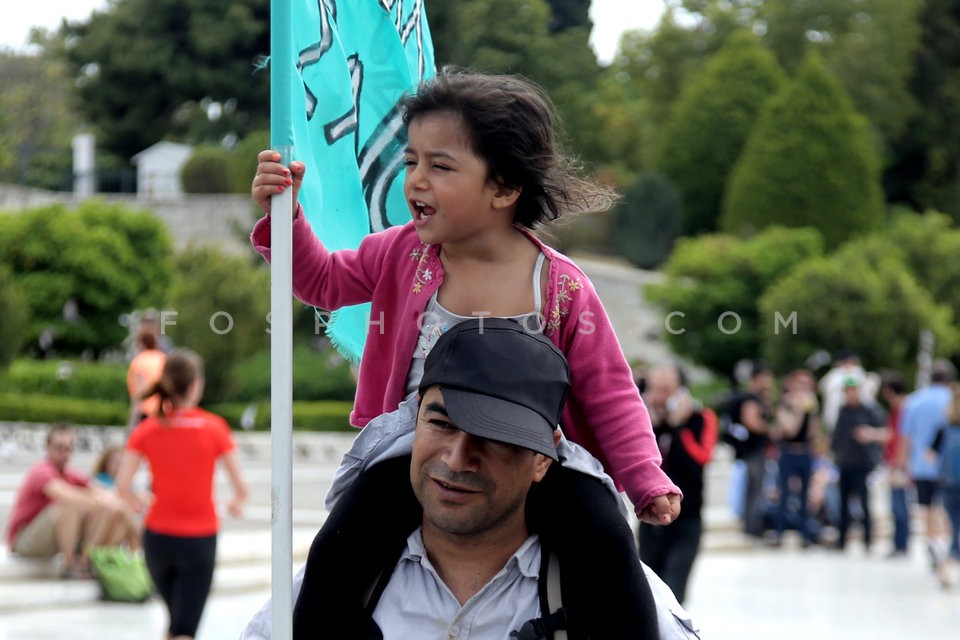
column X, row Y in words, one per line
column 686, row 435
column 856, row 451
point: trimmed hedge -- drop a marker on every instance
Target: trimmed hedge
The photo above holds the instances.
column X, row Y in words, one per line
column 52, row 408
column 68, row 378
column 308, row 416
column 317, row 375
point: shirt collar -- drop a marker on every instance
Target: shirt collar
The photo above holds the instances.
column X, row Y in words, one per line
column 526, row 558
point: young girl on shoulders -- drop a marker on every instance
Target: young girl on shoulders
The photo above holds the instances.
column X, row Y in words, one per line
column 482, row 171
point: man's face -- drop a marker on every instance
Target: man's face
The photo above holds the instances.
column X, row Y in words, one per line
column 60, row 448
column 661, row 384
column 851, row 395
column 468, row 485
column 762, row 383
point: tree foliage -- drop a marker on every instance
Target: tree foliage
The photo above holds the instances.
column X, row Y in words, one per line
column 647, row 221
column 222, row 303
column 929, row 245
column 658, row 63
column 710, row 123
column 808, row 162
column 568, row 14
column 514, row 36
column 925, row 170
column 36, row 122
column 862, row 297
column 714, row 281
column 180, row 69
column 81, row 270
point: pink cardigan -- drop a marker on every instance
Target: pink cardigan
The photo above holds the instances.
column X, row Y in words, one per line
column 397, row 274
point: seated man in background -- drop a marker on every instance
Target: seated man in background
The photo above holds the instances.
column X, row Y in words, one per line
column 58, row 511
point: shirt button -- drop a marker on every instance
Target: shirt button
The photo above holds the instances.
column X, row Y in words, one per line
column 454, row 631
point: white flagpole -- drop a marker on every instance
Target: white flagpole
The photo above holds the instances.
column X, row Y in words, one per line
column 281, row 408
column 282, row 75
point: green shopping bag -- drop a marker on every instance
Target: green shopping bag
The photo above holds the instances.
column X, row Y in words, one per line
column 121, row 573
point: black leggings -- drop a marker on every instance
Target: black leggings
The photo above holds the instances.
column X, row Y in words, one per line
column 182, row 571
column 604, row 588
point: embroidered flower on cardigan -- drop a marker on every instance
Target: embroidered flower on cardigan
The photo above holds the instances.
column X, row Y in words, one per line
column 566, row 286
column 423, row 274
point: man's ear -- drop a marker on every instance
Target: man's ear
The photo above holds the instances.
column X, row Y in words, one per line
column 540, row 465
column 505, row 196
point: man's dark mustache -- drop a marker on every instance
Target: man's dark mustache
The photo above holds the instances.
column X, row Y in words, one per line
column 464, row 479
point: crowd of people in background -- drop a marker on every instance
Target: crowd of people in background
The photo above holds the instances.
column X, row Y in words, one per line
column 810, row 455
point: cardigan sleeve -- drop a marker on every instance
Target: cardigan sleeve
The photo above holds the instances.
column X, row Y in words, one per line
column 605, row 412
column 323, row 278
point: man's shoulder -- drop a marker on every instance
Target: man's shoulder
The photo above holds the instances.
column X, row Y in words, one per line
column 42, row 472
column 41, row 469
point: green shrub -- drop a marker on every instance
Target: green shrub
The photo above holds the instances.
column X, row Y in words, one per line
column 54, row 408
column 317, row 375
column 221, row 303
column 66, row 378
column 646, row 222
column 310, row 416
column 207, row 170
column 243, row 160
column 862, row 297
column 713, row 276
column 929, row 244
column 81, row 270
column 15, row 314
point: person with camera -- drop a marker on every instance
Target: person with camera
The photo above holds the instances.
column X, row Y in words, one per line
column 686, row 434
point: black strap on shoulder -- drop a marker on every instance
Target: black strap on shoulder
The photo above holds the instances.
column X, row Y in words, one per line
column 376, row 589
column 555, row 619
column 541, row 628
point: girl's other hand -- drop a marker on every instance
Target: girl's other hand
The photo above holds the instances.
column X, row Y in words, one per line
column 273, row 178
column 661, row 510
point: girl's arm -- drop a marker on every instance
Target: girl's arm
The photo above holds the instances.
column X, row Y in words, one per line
column 321, row 278
column 240, row 492
column 330, row 279
column 605, row 413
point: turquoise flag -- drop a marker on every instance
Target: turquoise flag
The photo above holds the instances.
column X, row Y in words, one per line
column 354, row 59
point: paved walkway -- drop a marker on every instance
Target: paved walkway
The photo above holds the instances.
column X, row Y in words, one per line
column 735, row 595
column 738, row 590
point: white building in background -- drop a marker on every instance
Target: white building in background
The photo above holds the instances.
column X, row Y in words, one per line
column 158, row 170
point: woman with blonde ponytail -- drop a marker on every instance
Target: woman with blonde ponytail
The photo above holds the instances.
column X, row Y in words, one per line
column 181, row 444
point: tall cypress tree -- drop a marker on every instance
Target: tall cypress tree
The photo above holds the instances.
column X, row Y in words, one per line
column 808, row 162
column 710, row 124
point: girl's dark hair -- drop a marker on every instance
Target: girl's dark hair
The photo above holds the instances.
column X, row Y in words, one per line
column 147, row 337
column 181, row 369
column 511, row 125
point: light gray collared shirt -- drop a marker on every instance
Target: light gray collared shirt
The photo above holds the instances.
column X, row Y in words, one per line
column 417, row 604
